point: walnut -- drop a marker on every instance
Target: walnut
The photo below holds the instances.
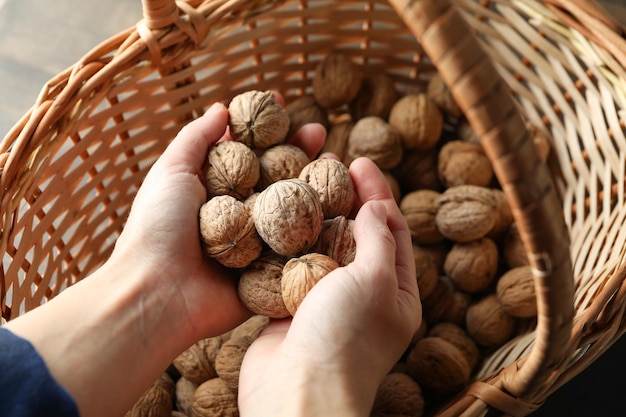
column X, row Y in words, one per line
column 177, row 413
column 155, row 401
column 398, row 395
column 419, row 209
column 465, row 212
column 257, row 120
column 337, row 240
column 513, row 251
column 472, row 266
column 280, row 162
column 214, row 398
column 456, row 335
column 418, row 170
column 375, row 98
column 301, row 274
column 250, row 201
column 374, row 138
column 436, row 305
column 516, row 292
column 251, row 327
column 438, row 91
column 185, row 392
column 332, row 181
column 288, row 216
column 337, row 139
column 437, row 253
column 438, row 366
column 418, row 120
column 197, row 362
column 464, row 163
column 259, row 286
column 303, row 110
column 457, row 308
column 231, row 169
column 488, row 323
column 426, row 271
column 336, row 81
column 228, row 233
column 504, row 216
column 229, row 358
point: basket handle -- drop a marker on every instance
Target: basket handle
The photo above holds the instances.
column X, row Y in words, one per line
column 159, row 14
column 492, row 112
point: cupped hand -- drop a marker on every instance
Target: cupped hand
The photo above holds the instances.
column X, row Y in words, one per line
column 161, row 234
column 351, row 327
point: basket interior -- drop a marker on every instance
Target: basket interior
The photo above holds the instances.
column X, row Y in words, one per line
column 86, row 156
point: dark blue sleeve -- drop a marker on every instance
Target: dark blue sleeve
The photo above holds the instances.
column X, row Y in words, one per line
column 27, row 389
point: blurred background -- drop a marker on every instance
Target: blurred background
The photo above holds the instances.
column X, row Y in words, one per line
column 41, row 38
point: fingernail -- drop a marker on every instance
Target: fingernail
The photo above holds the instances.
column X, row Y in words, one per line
column 379, row 210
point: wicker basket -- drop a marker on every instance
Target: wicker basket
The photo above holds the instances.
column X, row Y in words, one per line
column 70, row 168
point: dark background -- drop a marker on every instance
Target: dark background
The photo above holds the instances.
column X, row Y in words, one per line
column 41, row 38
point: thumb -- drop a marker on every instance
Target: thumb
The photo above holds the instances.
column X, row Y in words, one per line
column 374, row 239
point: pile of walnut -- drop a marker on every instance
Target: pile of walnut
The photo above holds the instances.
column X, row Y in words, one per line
column 282, row 221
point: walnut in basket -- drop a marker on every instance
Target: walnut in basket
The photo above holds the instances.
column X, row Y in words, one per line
column 456, row 335
column 232, row 169
column 156, row 401
column 214, row 398
column 376, row 97
column 259, row 287
column 418, row 120
column 197, row 362
column 466, row 212
column 301, row 274
column 303, row 110
column 419, row 209
column 280, row 162
column 229, row 359
column 288, row 216
column 472, row 266
column 438, row 91
column 332, row 181
column 398, row 395
column 464, row 163
column 374, row 138
column 228, row 233
column 256, row 120
column 516, row 292
column 426, row 271
column 488, row 322
column 337, row 80
column 337, row 138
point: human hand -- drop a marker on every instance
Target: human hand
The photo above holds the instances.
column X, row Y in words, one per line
column 161, row 233
column 350, row 329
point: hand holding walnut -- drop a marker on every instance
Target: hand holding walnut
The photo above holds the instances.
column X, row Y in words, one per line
column 351, row 327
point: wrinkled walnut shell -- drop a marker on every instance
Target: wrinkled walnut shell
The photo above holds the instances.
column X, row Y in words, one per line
column 228, row 233
column 280, row 162
column 259, row 286
column 466, row 212
column 332, row 181
column 337, row 240
column 464, row 163
column 229, row 359
column 257, row 120
column 516, row 292
column 398, row 395
column 418, row 120
column 214, row 398
column 288, row 216
column 375, row 98
column 303, row 110
column 336, row 81
column 488, row 323
column 374, row 138
column 197, row 362
column 301, row 274
column 472, row 266
column 419, row 209
column 231, row 169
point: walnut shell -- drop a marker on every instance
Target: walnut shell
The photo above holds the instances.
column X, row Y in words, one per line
column 472, row 266
column 374, row 138
column 457, row 308
column 185, row 392
column 231, row 169
column 418, row 120
column 214, row 398
column 288, row 216
column 280, row 162
column 426, row 272
column 229, row 358
column 456, row 335
column 337, row 240
column 301, row 274
column 488, row 323
column 337, row 139
column 251, row 327
column 516, row 292
column 259, row 286
column 438, row 91
column 514, row 252
column 465, row 212
column 197, row 362
column 398, row 395
column 504, row 216
column 336, row 81
column 418, row 170
column 438, row 366
column 419, row 209
column 436, row 305
column 228, row 233
column 333, row 183
column 376, row 97
column 257, row 120
column 303, row 110
column 464, row 163
column 156, row 401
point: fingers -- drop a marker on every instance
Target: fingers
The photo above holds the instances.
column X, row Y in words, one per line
column 188, row 150
column 369, row 182
column 310, row 138
column 374, row 240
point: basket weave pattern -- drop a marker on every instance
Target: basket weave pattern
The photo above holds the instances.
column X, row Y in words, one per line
column 70, row 168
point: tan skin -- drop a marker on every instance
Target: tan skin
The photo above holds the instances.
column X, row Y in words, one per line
column 157, row 295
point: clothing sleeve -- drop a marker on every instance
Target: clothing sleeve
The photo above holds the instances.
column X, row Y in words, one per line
column 27, row 389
